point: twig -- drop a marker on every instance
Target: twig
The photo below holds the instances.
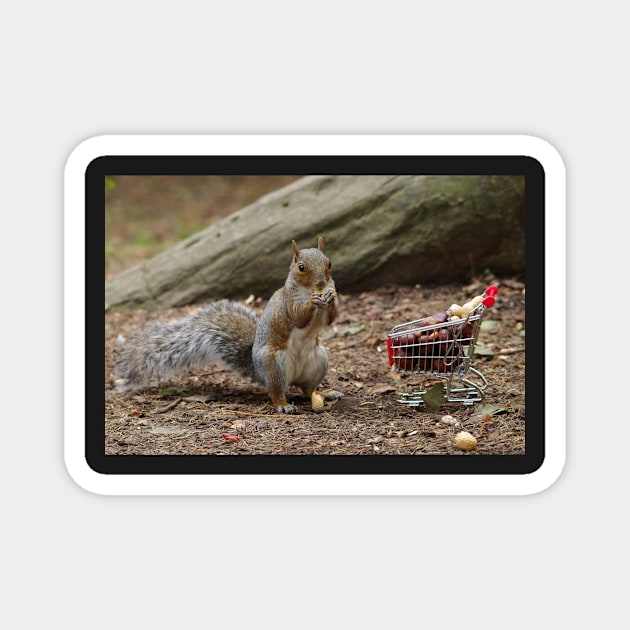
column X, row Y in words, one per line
column 170, row 405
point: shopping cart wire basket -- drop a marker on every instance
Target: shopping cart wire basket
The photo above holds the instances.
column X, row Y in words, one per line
column 443, row 346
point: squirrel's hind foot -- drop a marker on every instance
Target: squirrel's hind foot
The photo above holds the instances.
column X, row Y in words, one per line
column 283, row 406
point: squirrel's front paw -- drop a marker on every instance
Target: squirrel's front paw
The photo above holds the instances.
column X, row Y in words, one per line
column 322, row 300
column 319, row 300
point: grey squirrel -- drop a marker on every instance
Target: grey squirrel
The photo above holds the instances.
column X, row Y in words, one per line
column 279, row 349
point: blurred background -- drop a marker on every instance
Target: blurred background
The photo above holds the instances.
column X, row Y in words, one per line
column 147, row 214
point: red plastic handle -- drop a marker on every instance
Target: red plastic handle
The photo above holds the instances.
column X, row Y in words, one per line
column 488, row 301
column 491, row 290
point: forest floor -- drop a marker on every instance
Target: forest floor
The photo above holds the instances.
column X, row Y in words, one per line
column 215, row 411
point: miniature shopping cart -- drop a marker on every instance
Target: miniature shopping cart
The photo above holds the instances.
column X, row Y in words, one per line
column 444, row 350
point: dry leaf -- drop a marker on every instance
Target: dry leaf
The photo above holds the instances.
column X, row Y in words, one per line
column 484, row 351
column 383, row 389
column 353, row 330
column 487, row 419
column 433, row 398
column 230, row 438
column 199, row 398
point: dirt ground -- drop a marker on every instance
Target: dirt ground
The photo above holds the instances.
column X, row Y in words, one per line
column 213, row 411
column 191, row 414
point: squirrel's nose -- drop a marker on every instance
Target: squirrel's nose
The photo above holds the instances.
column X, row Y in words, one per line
column 321, row 284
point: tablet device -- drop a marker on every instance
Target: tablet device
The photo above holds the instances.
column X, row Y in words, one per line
column 459, row 406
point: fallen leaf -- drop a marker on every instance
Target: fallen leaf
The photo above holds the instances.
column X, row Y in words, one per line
column 353, row 330
column 230, row 438
column 487, row 419
column 492, row 410
column 489, row 324
column 376, row 439
column 492, row 435
column 169, row 391
column 199, row 398
column 484, row 351
column 167, row 430
column 433, row 398
column 383, row 389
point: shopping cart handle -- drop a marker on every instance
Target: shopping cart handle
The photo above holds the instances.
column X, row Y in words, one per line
column 390, row 352
column 491, row 291
column 488, row 301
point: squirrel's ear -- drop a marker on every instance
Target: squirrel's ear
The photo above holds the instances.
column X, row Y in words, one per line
column 320, row 244
column 296, row 250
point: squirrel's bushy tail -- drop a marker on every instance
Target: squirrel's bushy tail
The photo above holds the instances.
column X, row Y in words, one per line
column 222, row 331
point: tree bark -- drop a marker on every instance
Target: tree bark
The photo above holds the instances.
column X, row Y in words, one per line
column 378, row 230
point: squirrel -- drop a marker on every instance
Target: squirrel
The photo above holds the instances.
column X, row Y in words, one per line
column 279, row 349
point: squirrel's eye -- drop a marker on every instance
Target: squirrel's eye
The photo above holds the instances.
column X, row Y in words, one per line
column 301, row 267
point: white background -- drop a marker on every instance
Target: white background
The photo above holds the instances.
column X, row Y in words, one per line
column 75, row 70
